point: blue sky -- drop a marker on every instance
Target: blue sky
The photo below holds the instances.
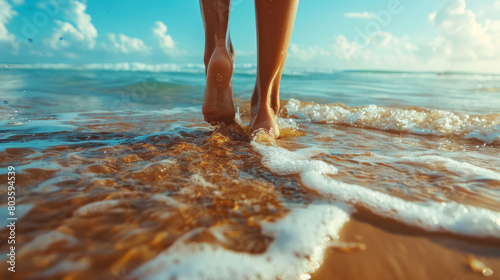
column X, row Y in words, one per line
column 426, row 35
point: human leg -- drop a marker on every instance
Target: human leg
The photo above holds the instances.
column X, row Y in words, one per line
column 219, row 61
column 275, row 21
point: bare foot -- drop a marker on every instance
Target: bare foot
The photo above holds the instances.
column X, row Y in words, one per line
column 264, row 117
column 218, row 101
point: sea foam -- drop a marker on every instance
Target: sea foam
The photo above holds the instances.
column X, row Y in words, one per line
column 458, row 167
column 448, row 216
column 300, row 241
column 485, row 128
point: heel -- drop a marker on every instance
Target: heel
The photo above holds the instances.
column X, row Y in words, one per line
column 218, row 101
column 221, row 67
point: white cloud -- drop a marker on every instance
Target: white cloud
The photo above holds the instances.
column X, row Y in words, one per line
column 124, row 44
column 63, row 34
column 461, row 36
column 432, row 17
column 18, row 2
column 345, row 49
column 305, row 54
column 379, row 50
column 437, row 45
column 82, row 19
column 6, row 14
column 78, row 29
column 496, row 6
column 462, row 43
column 366, row 15
column 165, row 41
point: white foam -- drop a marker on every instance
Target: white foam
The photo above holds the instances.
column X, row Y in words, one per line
column 432, row 161
column 300, row 240
column 237, row 116
column 428, row 122
column 459, row 167
column 431, row 216
column 285, row 123
column 284, row 162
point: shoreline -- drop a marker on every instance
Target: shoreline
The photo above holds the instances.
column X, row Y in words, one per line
column 392, row 254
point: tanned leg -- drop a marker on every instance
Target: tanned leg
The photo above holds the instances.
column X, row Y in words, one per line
column 275, row 21
column 219, row 62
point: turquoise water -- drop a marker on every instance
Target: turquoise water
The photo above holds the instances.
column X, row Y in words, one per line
column 122, row 153
column 459, row 93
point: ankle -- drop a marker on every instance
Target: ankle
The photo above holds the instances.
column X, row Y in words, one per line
column 265, row 104
column 268, row 110
column 220, row 42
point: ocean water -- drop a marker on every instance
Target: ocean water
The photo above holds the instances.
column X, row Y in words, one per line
column 116, row 171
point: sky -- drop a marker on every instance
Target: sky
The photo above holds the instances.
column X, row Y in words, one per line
column 395, row 35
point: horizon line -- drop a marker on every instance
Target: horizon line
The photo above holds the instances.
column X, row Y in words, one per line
column 199, row 67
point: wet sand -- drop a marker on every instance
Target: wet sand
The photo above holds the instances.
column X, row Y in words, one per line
column 404, row 253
